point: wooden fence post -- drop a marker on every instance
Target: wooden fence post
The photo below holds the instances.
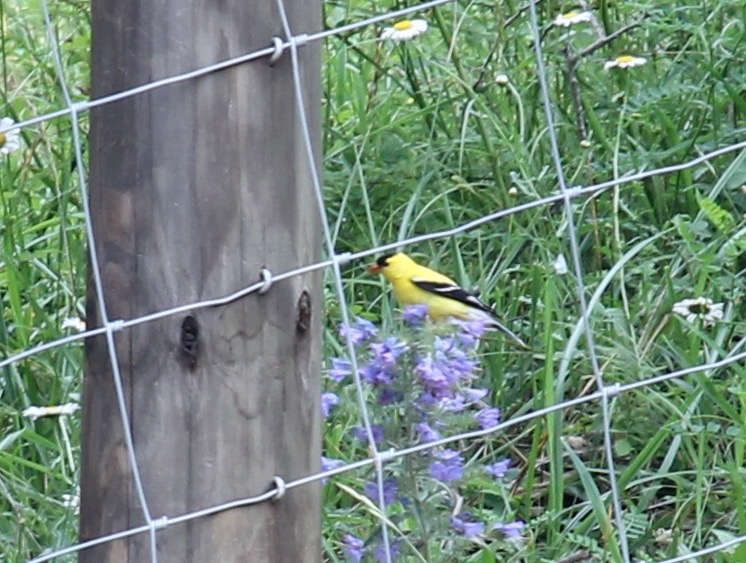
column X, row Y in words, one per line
column 195, row 187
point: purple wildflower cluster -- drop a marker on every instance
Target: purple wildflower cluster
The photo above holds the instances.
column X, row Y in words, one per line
column 444, row 370
column 464, row 525
column 499, row 468
column 422, row 385
column 355, row 549
column 360, row 332
column 434, row 376
column 449, row 466
column 390, row 491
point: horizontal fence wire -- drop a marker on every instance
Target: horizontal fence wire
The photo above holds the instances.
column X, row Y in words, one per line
column 336, row 261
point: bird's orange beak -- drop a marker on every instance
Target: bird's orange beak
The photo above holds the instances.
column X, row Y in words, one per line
column 374, row 269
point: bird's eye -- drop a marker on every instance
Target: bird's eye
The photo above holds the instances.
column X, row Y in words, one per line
column 383, row 260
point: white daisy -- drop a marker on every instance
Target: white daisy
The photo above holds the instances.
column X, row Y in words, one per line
column 625, row 61
column 55, row 410
column 71, row 501
column 560, row 265
column 75, row 323
column 502, row 79
column 571, row 18
column 699, row 308
column 405, row 30
column 9, row 140
column 663, row 537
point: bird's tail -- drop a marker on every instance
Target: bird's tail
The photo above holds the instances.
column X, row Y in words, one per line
column 491, row 323
column 496, row 325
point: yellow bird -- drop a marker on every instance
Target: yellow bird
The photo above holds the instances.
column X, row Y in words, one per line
column 415, row 284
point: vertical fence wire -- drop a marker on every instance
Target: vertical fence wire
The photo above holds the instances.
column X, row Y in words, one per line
column 337, row 273
column 96, row 272
column 578, row 270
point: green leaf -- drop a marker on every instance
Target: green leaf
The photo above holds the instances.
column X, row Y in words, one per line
column 720, row 218
column 622, row 447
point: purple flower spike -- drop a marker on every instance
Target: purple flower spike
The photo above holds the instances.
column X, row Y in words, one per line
column 425, row 400
column 476, row 328
column 471, row 331
column 477, row 394
column 432, row 376
column 389, row 350
column 512, row 530
column 360, row 433
column 415, row 315
column 377, row 373
column 457, row 365
column 488, row 418
column 446, row 345
column 466, row 527
column 450, row 467
column 329, row 400
column 361, row 331
column 452, row 404
column 341, row 368
column 354, row 548
column 427, row 433
column 390, row 490
column 379, row 554
column 329, row 463
column 390, row 396
column 499, row 468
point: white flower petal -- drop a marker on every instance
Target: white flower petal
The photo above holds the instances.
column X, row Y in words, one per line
column 625, row 61
column 33, row 412
column 55, row 410
column 572, row 18
column 405, row 30
column 70, row 500
column 560, row 265
column 9, row 140
column 75, row 323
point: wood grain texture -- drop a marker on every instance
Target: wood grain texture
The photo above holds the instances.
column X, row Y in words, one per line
column 194, row 188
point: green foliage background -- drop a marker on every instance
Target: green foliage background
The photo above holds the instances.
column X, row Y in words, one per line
column 421, row 137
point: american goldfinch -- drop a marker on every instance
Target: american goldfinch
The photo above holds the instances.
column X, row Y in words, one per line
column 415, row 284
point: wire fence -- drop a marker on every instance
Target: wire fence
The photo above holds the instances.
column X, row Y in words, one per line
column 289, row 46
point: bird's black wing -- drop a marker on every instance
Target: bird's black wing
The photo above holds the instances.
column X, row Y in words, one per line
column 454, row 292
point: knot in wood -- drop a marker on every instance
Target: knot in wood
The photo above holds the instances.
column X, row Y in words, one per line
column 303, row 317
column 189, row 341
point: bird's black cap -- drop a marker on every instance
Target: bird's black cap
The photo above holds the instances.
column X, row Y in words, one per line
column 382, row 262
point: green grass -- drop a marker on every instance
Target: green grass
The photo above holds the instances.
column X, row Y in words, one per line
column 414, row 145
column 42, row 265
column 414, row 149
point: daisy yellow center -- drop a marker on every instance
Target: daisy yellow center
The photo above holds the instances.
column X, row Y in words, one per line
column 625, row 59
column 3, row 138
column 403, row 25
column 569, row 15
